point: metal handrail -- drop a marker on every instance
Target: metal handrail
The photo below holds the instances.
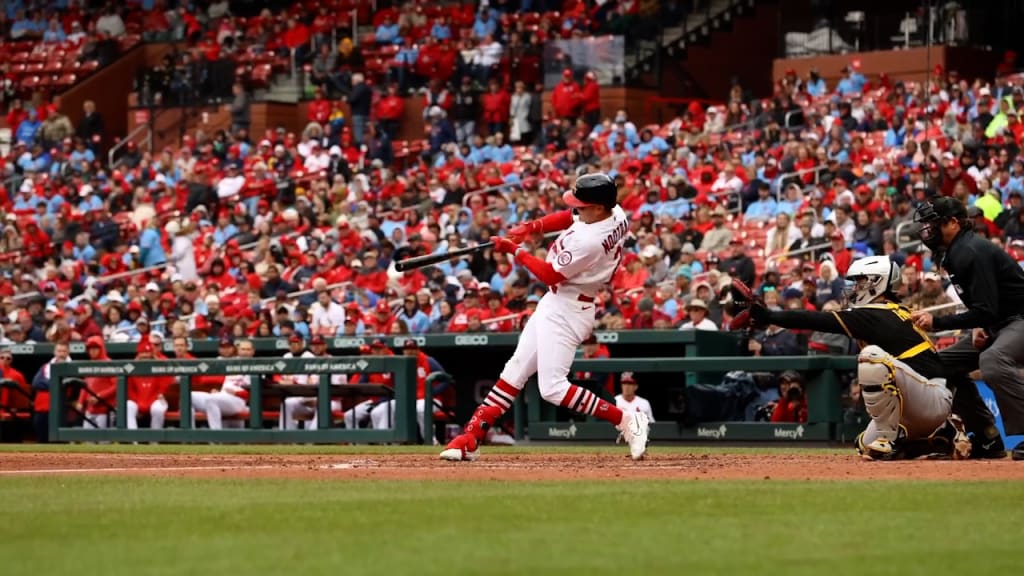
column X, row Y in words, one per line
column 816, row 170
column 130, row 138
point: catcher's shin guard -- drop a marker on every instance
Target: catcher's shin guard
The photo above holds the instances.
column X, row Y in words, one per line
column 882, row 398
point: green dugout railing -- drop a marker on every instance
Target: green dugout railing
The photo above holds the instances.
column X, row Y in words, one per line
column 404, row 429
column 428, row 341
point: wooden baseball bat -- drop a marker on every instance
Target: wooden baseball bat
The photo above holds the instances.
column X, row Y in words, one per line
column 430, row 259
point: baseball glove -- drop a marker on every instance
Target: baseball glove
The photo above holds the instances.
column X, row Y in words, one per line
column 746, row 306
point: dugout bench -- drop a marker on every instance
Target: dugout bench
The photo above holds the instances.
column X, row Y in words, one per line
column 403, row 368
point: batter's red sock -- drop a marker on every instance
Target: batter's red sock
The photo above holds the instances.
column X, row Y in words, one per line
column 502, row 396
column 587, row 402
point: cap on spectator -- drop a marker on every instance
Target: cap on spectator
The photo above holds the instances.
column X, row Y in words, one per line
column 226, row 340
column 697, row 303
column 837, row 235
column 688, row 248
column 650, row 283
column 484, row 286
column 378, row 343
column 356, row 263
column 627, row 378
column 685, row 271
column 532, row 298
column 295, row 338
column 172, row 227
column 933, row 277
column 410, row 344
column 317, row 340
column 651, row 251
column 383, row 307
column 152, row 287
column 792, row 294
column 211, row 299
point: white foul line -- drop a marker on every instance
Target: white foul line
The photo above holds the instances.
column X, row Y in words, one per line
column 147, row 469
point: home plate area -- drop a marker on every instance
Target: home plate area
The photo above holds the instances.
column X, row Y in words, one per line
column 495, row 464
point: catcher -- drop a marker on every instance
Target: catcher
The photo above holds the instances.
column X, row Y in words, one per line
column 899, row 370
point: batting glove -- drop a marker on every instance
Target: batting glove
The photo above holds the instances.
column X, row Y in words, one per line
column 504, row 245
column 521, row 231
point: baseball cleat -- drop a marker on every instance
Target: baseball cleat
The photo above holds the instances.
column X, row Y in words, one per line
column 635, row 427
column 462, row 448
column 880, row 449
column 987, row 449
column 961, row 443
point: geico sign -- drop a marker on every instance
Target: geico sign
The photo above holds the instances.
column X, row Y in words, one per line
column 607, row 337
column 471, row 340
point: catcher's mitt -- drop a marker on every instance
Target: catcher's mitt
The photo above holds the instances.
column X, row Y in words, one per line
column 743, row 299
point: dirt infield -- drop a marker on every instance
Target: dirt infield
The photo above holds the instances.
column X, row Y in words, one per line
column 498, row 466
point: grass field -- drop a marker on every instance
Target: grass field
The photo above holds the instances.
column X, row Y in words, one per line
column 133, row 525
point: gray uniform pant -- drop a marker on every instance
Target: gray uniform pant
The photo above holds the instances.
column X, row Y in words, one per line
column 1000, row 364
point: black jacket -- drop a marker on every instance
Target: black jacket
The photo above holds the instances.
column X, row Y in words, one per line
column 989, row 281
column 360, row 100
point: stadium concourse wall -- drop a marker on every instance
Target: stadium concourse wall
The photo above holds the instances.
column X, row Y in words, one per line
column 681, row 358
column 910, row 65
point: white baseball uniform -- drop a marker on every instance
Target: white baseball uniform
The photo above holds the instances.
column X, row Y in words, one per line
column 637, row 404
column 291, row 405
column 305, row 407
column 230, row 400
column 587, row 255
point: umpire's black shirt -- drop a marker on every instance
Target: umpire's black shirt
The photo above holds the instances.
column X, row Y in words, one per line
column 989, row 282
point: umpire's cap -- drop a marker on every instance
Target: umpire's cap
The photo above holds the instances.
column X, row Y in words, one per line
column 592, row 190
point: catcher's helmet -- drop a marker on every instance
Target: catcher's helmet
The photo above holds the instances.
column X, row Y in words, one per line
column 592, row 190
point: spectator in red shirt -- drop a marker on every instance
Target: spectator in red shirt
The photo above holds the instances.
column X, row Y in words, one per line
column 296, row 39
column 382, row 320
column 792, row 404
column 495, row 104
column 590, row 100
column 566, row 98
column 495, row 310
column 842, row 257
column 389, row 110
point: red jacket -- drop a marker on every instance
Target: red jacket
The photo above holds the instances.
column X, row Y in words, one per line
column 790, row 411
column 375, row 281
column 390, row 108
column 295, row 37
column 495, row 106
column 319, row 111
column 591, row 96
column 103, row 387
column 6, row 395
column 565, row 99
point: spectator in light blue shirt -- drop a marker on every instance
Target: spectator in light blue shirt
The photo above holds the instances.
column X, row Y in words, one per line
column 28, row 128
column 54, row 33
column 387, row 32
column 848, row 85
column 23, row 28
column 485, row 25
column 675, row 206
column 816, row 84
column 765, row 207
column 415, row 319
column 648, row 143
column 90, row 199
column 81, row 154
column 441, row 30
column 151, row 251
column 500, row 151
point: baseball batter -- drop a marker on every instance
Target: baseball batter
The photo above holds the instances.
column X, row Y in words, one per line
column 900, row 373
column 579, row 263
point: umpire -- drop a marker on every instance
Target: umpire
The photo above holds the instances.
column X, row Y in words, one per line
column 991, row 285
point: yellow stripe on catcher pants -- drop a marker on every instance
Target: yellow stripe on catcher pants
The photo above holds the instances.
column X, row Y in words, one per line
column 896, row 397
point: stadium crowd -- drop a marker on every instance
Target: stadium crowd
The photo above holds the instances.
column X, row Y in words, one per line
column 282, row 233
